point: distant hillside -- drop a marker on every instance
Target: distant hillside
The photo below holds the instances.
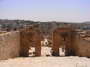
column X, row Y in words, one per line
column 45, row 27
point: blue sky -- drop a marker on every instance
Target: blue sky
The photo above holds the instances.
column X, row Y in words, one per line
column 46, row 10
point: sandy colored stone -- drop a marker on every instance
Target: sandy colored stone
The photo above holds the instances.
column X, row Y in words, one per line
column 9, row 44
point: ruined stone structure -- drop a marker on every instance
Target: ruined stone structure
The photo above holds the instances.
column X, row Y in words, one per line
column 62, row 38
column 13, row 44
column 9, row 45
column 81, row 44
column 30, row 37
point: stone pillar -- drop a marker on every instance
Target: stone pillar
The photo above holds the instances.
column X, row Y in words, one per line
column 67, row 44
column 37, row 43
column 56, row 43
column 26, row 37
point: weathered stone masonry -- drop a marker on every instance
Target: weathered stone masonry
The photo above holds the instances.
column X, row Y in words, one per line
column 9, row 45
column 74, row 42
column 30, row 37
column 15, row 43
column 62, row 37
column 81, row 45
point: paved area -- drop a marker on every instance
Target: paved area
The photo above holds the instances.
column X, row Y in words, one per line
column 46, row 62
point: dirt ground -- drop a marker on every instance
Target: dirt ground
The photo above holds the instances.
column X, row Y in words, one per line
column 43, row 61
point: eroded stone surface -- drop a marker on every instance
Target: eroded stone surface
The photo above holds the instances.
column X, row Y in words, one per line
column 61, row 38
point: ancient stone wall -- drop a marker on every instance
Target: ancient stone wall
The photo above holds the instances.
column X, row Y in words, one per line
column 26, row 40
column 30, row 37
column 62, row 37
column 9, row 45
column 37, row 39
column 81, row 46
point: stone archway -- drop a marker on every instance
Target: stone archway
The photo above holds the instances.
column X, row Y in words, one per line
column 30, row 37
column 61, row 37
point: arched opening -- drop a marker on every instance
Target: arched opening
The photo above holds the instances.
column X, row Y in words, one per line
column 30, row 42
column 61, row 42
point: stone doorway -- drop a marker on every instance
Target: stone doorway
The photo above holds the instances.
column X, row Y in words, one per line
column 61, row 41
column 30, row 40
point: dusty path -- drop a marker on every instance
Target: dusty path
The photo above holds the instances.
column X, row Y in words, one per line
column 47, row 62
column 44, row 61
